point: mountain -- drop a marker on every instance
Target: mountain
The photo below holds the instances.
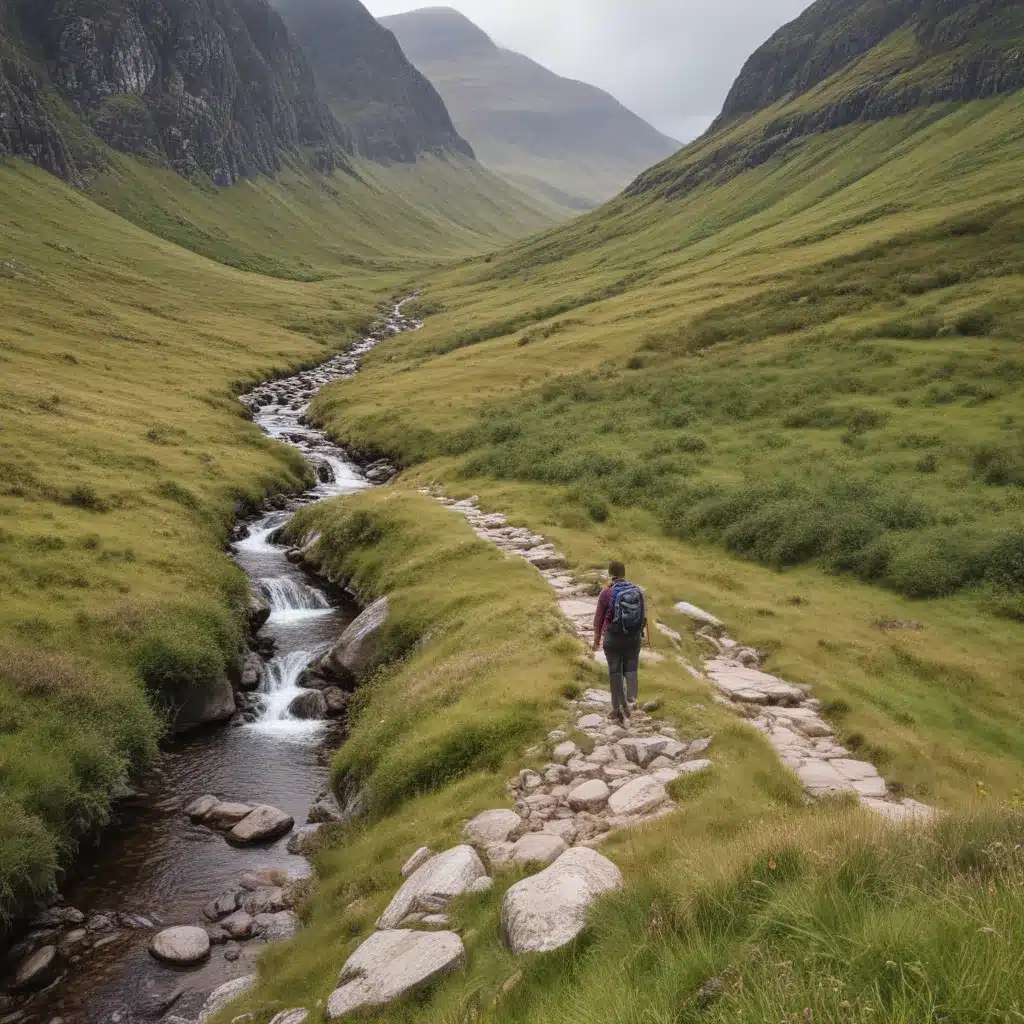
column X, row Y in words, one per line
column 560, row 138
column 391, row 110
column 214, row 87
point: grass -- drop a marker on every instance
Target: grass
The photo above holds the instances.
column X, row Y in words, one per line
column 133, row 317
column 798, row 913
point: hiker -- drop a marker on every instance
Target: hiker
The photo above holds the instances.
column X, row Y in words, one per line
column 620, row 623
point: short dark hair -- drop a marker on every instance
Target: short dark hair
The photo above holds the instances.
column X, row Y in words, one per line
column 616, row 570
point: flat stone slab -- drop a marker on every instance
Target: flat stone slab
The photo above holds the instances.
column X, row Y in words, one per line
column 182, row 946
column 548, row 910
column 391, row 964
column 737, row 680
column 643, row 750
column 640, row 796
column 431, row 887
column 590, row 722
column 820, row 778
column 492, row 827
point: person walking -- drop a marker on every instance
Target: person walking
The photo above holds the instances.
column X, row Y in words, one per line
column 619, row 625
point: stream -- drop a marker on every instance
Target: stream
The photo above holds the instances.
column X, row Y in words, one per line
column 152, row 867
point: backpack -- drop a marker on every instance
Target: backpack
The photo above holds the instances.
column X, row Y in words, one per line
column 628, row 611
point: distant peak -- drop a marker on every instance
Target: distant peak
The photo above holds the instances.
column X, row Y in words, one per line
column 438, row 33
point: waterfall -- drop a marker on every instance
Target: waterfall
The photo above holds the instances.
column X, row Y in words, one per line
column 291, row 599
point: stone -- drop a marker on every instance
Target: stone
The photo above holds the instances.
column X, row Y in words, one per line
column 226, row 903
column 201, row 706
column 430, row 888
column 691, row 611
column 276, row 927
column 639, row 796
column 71, row 939
column 37, row 969
column 538, row 848
column 309, row 706
column 661, row 761
column 820, row 778
column 564, row 752
column 590, row 722
column 198, row 809
column 583, row 770
column 557, row 775
column 874, row 787
column 673, row 748
column 232, row 952
column 182, row 945
column 417, row 860
column 500, row 855
column 557, row 736
column 356, row 649
column 643, row 750
column 601, row 755
column 216, row 934
column 492, row 827
column 226, row 993
column 302, row 841
column 263, row 824
column 391, row 964
column 238, row 925
column 259, row 612
column 691, row 767
column 549, row 909
column 226, row 815
column 483, row 884
column 565, row 828
column 253, row 670
column 268, row 899
column 337, row 702
column 529, row 781
column 435, row 920
column 698, row 746
column 591, row 796
column 290, row 1017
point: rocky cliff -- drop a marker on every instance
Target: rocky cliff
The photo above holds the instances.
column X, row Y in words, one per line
column 844, row 61
column 214, row 87
column 391, row 110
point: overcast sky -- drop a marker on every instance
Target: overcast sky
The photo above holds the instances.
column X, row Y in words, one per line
column 671, row 61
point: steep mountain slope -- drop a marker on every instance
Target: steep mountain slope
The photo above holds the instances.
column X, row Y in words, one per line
column 563, row 139
column 216, row 87
column 392, row 111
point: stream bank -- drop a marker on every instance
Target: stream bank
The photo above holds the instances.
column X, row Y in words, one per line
column 153, row 867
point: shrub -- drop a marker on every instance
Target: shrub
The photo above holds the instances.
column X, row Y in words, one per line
column 999, row 465
column 83, row 496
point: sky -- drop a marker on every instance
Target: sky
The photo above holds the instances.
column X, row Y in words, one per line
column 670, row 61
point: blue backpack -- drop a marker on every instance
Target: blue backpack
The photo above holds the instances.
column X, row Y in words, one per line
column 628, row 612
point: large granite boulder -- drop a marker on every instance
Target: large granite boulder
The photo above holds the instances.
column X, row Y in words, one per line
column 355, row 652
column 430, row 888
column 197, row 707
column 181, row 946
column 261, row 825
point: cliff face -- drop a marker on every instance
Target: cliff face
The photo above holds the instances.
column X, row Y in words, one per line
column 392, row 111
column 204, row 86
column 844, row 61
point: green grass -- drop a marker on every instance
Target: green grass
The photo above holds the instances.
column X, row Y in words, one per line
column 133, row 317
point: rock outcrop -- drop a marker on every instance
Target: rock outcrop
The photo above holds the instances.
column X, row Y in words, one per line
column 354, row 653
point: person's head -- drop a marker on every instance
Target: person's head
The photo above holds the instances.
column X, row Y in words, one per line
column 616, row 570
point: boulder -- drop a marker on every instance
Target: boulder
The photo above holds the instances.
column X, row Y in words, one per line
column 564, row 752
column 549, row 909
column 417, row 860
column 226, row 815
column 538, row 848
column 226, row 903
column 492, row 827
column 302, row 840
column 430, row 888
column 182, row 946
column 268, row 899
column 278, row 927
column 290, row 1017
column 483, row 884
column 640, row 796
column 392, row 964
column 348, row 805
column 691, row 611
column 258, row 612
column 238, row 925
column 199, row 808
column 337, row 701
column 590, row 722
column 565, row 828
column 201, row 706
column 226, row 993
column 355, row 651
column 253, row 670
column 37, row 969
column 591, row 796
column 309, row 706
column 645, row 749
column 264, row 823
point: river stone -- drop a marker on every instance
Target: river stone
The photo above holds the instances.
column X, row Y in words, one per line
column 538, row 848
column 290, row 1017
column 417, row 860
column 337, row 701
column 354, row 652
column 238, row 925
column 430, row 888
column 302, row 840
column 37, row 969
column 276, row 927
column 226, row 903
column 198, row 809
column 641, row 796
column 391, row 964
column 264, row 823
column 268, row 899
column 226, row 815
column 591, row 796
column 309, row 706
column 492, row 827
column 253, row 670
column 199, row 706
column 550, row 909
column 259, row 612
column 226, row 993
column 183, row 945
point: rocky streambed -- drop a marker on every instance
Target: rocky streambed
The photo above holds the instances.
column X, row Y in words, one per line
column 204, row 859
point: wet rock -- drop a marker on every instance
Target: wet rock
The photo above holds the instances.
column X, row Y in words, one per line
column 100, row 923
column 417, row 860
column 266, row 900
column 337, row 701
column 392, row 964
column 433, row 886
column 37, row 969
column 310, row 705
column 492, row 827
column 276, row 927
column 354, row 652
column 226, row 815
column 303, row 839
column 253, row 671
column 258, row 611
column 227, row 993
column 263, row 824
column 157, row 1001
column 201, row 807
column 182, row 945
column 324, row 472
column 200, row 706
column 232, row 952
column 71, row 940
column 548, row 910
column 238, row 925
column 217, row 935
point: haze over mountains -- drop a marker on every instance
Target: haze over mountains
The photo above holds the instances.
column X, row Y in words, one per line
column 559, row 138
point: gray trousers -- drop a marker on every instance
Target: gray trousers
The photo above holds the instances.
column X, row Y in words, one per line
column 623, row 654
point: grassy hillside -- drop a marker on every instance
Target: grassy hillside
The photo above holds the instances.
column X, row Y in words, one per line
column 133, row 316
column 815, row 364
column 559, row 139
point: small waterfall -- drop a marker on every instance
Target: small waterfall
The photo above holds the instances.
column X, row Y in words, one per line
column 291, row 599
column 280, row 688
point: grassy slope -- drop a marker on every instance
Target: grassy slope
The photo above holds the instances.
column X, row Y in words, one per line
column 815, row 364
column 795, row 909
column 124, row 456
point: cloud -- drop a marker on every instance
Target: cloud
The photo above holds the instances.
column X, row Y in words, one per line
column 671, row 61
